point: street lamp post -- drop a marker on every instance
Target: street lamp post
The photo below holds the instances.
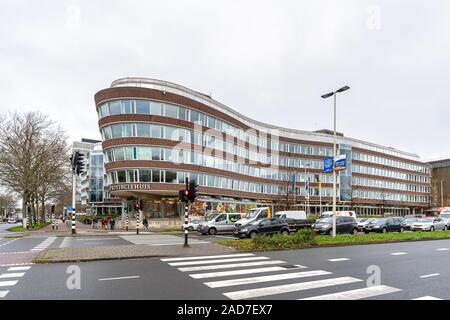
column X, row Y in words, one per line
column 334, row 151
column 306, row 189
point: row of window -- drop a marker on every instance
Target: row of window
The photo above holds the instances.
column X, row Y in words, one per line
column 151, row 107
column 196, row 158
column 151, row 130
column 389, row 173
column 389, row 185
column 390, row 162
column 169, row 176
column 140, row 106
column 386, row 196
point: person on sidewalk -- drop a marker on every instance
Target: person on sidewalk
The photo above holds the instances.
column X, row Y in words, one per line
column 112, row 222
column 145, row 222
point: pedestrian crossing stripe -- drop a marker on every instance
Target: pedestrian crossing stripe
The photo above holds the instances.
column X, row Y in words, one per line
column 208, row 257
column 293, row 287
column 235, row 272
column 3, row 293
column 231, row 265
column 216, row 261
column 356, row 294
column 284, row 276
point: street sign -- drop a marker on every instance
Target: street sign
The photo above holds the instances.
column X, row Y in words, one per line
column 328, row 164
column 340, row 162
column 69, row 209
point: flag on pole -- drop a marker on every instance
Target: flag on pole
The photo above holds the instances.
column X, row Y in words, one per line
column 293, row 183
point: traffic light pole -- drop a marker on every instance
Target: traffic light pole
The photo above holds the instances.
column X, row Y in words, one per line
column 186, row 231
column 74, row 190
column 126, row 219
column 137, row 220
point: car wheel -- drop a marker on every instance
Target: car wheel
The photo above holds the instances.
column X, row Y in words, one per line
column 191, row 228
column 253, row 234
column 431, row 229
column 212, row 231
column 384, row 230
column 284, row 233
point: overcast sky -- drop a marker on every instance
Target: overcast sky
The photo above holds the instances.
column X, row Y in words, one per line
column 269, row 60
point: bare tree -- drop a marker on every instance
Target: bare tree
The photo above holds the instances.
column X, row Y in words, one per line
column 285, row 190
column 7, row 204
column 33, row 154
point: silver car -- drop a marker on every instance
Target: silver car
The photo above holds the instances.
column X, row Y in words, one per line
column 445, row 215
column 429, row 224
column 218, row 223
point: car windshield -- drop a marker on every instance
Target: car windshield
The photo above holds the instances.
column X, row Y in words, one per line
column 255, row 222
column 429, row 220
column 252, row 214
column 445, row 215
column 410, row 220
column 325, row 220
column 211, row 217
column 374, row 221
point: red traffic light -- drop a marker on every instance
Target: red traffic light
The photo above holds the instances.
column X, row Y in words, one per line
column 186, row 192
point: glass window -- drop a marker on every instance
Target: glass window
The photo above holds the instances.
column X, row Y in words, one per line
column 155, row 131
column 182, row 113
column 168, row 154
column 195, row 116
column 116, row 130
column 114, row 107
column 156, row 154
column 129, row 153
column 121, row 176
column 171, row 177
column 128, row 129
column 104, row 110
column 144, row 153
column 145, row 175
column 155, row 108
column 155, row 175
column 143, row 130
column 142, row 107
column 127, row 106
column 107, row 133
column 171, row 133
column 119, row 154
column 171, row 111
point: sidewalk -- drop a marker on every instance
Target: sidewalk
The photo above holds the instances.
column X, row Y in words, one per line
column 127, row 252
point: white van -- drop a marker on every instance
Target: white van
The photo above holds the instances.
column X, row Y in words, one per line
column 254, row 215
column 298, row 215
column 328, row 214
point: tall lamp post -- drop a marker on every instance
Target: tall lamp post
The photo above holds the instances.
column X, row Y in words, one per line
column 333, row 94
column 306, row 189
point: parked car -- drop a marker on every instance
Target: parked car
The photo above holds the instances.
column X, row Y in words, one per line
column 363, row 222
column 445, row 215
column 254, row 215
column 218, row 223
column 299, row 215
column 407, row 223
column 384, row 225
column 193, row 223
column 12, row 220
column 327, row 214
column 343, row 225
column 264, row 226
column 428, row 224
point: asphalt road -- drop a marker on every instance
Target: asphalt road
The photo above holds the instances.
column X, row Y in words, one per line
column 5, row 226
column 408, row 271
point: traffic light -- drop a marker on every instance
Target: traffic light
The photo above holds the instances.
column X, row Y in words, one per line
column 77, row 162
column 141, row 204
column 53, row 209
column 192, row 190
column 183, row 195
column 137, row 205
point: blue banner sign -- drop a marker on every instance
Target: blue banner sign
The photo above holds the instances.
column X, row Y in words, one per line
column 328, row 164
column 340, row 163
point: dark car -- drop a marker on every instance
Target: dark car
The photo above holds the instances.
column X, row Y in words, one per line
column 406, row 223
column 384, row 225
column 343, row 225
column 265, row 226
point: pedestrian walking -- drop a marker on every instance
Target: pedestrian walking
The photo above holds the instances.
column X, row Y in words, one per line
column 145, row 222
column 112, row 222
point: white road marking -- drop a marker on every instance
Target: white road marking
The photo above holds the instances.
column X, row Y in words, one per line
column 96, row 239
column 11, row 275
column 284, row 276
column 118, row 278
column 3, row 294
column 427, row 298
column 16, row 252
column 235, row 272
column 430, row 275
column 65, row 243
column 398, row 253
column 44, row 244
column 443, row 249
column 209, row 257
column 267, row 291
column 216, row 261
column 19, row 268
column 338, row 259
column 8, row 283
column 356, row 294
column 16, row 264
column 231, row 265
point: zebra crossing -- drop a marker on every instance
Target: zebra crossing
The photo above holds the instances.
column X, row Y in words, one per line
column 44, row 244
column 11, row 278
column 243, row 272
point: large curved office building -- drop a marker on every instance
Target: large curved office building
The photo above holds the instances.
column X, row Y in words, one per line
column 156, row 133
